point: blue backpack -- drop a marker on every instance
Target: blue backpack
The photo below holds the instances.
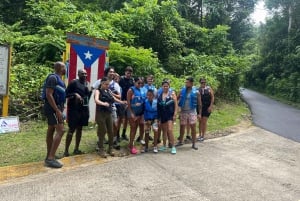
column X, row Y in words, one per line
column 59, row 90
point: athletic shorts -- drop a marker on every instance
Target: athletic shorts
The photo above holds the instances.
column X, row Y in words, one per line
column 114, row 114
column 77, row 117
column 204, row 112
column 188, row 118
column 51, row 115
column 121, row 110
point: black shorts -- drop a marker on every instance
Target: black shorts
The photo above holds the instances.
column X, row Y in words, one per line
column 78, row 117
column 204, row 112
column 51, row 115
column 121, row 110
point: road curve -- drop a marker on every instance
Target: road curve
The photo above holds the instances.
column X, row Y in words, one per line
column 272, row 115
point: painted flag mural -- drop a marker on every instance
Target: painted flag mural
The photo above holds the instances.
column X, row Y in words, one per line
column 83, row 52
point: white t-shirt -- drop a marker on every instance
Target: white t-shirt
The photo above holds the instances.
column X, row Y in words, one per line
column 113, row 86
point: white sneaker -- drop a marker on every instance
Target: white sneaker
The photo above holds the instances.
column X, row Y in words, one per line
column 155, row 150
column 142, row 142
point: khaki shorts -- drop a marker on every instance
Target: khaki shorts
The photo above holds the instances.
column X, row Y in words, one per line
column 188, row 118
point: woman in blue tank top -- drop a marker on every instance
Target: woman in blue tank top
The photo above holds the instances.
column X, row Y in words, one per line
column 135, row 101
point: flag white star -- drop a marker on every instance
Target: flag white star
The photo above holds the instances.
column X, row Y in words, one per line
column 88, row 55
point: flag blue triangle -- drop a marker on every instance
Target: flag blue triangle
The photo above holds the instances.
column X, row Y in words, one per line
column 88, row 55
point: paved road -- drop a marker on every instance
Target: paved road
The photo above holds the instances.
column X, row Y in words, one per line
column 274, row 116
column 251, row 165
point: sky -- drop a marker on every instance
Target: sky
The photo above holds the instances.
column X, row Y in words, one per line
column 260, row 13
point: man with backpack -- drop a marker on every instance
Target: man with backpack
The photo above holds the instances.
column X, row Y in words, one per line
column 54, row 96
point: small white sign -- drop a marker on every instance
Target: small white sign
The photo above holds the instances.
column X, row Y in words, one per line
column 4, row 69
column 9, row 124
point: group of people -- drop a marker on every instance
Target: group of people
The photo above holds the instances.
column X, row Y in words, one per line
column 121, row 100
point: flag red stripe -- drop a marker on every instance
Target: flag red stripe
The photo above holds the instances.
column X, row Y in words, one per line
column 88, row 72
column 101, row 65
column 72, row 64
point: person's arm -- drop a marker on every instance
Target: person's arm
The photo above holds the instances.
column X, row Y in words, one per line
column 71, row 91
column 97, row 101
column 129, row 96
column 51, row 101
column 199, row 104
column 175, row 105
column 212, row 100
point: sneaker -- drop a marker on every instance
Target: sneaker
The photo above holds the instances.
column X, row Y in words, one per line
column 111, row 152
column 133, row 150
column 179, row 144
column 189, row 138
column 155, row 150
column 201, row 139
column 53, row 163
column 77, row 152
column 66, row 154
column 102, row 153
column 162, row 148
column 145, row 150
column 124, row 137
column 173, row 150
column 194, row 147
column 142, row 142
column 138, row 139
column 117, row 146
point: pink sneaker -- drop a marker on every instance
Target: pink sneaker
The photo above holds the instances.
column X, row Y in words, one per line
column 133, row 150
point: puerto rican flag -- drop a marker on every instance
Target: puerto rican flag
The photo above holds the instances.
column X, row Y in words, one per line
column 92, row 59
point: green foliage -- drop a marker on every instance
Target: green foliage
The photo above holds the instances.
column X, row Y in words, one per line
column 151, row 36
column 276, row 71
column 25, row 89
column 144, row 61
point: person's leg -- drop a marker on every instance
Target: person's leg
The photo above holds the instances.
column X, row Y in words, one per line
column 141, row 130
column 155, row 140
column 68, row 141
column 126, row 120
column 164, row 129
column 147, row 133
column 183, row 123
column 194, row 137
column 56, row 140
column 78, row 140
column 49, row 138
column 109, row 126
column 170, row 133
column 188, row 132
column 133, row 127
column 101, row 130
column 203, row 126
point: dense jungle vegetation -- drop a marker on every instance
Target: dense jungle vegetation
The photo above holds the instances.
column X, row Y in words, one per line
column 215, row 39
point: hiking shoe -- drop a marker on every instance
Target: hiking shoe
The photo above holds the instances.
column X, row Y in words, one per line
column 155, row 150
column 145, row 150
column 162, row 148
column 194, row 147
column 188, row 138
column 173, row 150
column 111, row 152
column 102, row 153
column 77, row 152
column 117, row 146
column 133, row 150
column 124, row 137
column 66, row 154
column 179, row 144
column 200, row 139
column 53, row 163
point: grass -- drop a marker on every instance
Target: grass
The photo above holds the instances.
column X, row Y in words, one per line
column 29, row 144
